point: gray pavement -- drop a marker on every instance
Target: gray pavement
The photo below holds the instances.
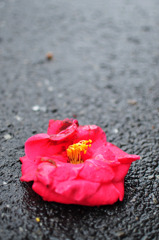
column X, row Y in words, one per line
column 104, row 71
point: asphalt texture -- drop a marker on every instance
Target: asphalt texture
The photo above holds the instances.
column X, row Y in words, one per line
column 104, row 71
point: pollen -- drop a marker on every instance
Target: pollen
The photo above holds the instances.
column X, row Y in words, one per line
column 74, row 151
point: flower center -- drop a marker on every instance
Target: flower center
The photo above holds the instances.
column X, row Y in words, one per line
column 74, row 151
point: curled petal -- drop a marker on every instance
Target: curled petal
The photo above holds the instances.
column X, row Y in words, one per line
column 93, row 132
column 119, row 160
column 60, row 130
column 113, row 152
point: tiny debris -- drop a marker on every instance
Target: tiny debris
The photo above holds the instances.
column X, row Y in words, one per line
column 155, row 200
column 133, row 199
column 132, row 101
column 150, row 177
column 49, row 56
column 20, row 229
column 37, row 219
column 18, row 118
column 50, row 89
column 36, row 108
column 7, row 136
column 120, row 234
column 115, row 130
column 4, row 183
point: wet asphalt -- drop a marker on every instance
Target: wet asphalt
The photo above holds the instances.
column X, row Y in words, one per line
column 105, row 71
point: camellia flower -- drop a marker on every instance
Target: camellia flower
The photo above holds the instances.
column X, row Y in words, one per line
column 75, row 164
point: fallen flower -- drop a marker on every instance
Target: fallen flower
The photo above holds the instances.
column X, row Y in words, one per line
column 75, row 164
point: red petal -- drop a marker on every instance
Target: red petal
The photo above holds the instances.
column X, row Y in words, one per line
column 59, row 130
column 41, row 145
column 62, row 171
column 77, row 191
column 106, row 194
column 120, row 171
column 128, row 158
column 119, row 154
column 93, row 132
column 28, row 169
column 69, row 192
column 44, row 172
column 119, row 160
column 96, row 171
column 120, row 188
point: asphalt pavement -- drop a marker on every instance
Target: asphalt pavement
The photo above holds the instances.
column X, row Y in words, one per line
column 103, row 69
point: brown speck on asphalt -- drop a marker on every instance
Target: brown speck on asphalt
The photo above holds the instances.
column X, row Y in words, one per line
column 49, row 56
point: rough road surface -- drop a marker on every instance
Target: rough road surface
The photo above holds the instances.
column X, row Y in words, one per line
column 104, row 71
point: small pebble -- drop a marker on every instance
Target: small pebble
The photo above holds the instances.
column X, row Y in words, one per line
column 4, row 183
column 49, row 56
column 150, row 177
column 133, row 199
column 7, row 136
column 155, row 200
column 20, row 229
column 18, row 118
column 115, row 130
column 120, row 234
column 36, row 108
column 50, row 89
column 132, row 101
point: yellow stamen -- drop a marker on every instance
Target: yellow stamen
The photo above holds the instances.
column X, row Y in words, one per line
column 74, row 151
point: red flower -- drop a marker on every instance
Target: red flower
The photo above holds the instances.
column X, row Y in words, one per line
column 75, row 164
